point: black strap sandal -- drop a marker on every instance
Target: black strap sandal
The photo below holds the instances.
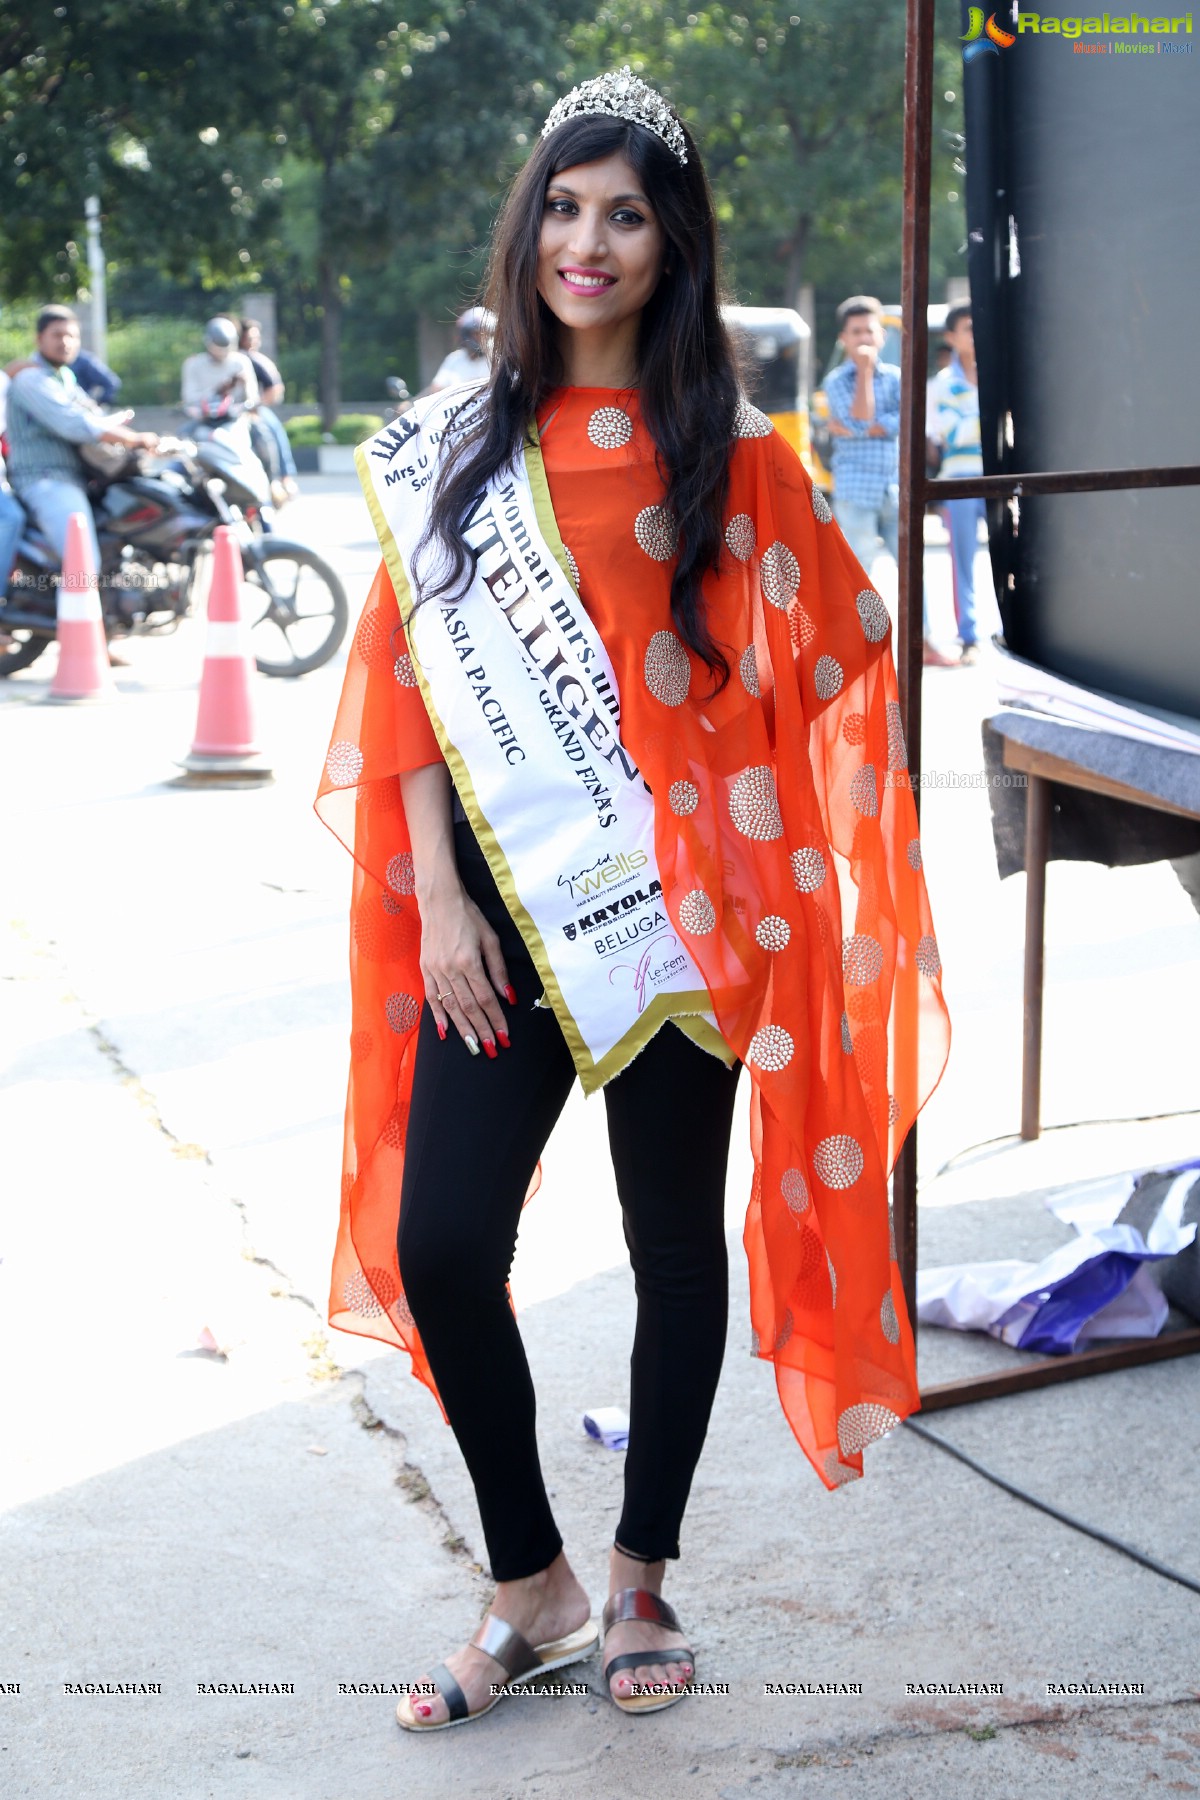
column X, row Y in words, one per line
column 640, row 1603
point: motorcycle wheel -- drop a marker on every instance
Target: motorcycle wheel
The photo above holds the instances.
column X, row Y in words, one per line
column 305, row 615
column 25, row 648
column 24, row 645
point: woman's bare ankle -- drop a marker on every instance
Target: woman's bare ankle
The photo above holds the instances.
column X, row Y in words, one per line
column 626, row 1571
column 553, row 1592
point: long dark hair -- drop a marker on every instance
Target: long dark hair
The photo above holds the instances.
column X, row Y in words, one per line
column 687, row 367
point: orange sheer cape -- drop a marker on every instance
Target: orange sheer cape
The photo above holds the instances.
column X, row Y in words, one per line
column 787, row 844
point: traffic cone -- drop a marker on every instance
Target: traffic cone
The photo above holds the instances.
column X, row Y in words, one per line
column 224, row 748
column 84, row 671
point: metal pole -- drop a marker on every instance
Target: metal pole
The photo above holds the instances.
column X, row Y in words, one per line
column 97, row 280
column 1037, row 846
column 1067, row 481
column 914, row 357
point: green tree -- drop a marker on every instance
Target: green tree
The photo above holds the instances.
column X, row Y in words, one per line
column 347, row 156
column 121, row 98
column 384, row 139
column 799, row 108
column 408, row 129
column 327, row 93
column 466, row 118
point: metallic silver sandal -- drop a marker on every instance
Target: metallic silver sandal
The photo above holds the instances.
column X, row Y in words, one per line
column 517, row 1657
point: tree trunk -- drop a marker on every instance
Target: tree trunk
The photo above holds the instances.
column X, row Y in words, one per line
column 794, row 278
column 329, row 297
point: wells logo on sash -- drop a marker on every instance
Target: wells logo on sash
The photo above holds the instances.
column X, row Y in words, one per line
column 591, row 880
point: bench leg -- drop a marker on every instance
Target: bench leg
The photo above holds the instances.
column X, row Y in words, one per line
column 1037, row 840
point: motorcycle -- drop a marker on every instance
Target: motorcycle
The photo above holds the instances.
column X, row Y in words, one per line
column 225, row 447
column 225, row 430
column 155, row 518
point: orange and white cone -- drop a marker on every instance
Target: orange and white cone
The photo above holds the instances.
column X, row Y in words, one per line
column 225, row 743
column 84, row 671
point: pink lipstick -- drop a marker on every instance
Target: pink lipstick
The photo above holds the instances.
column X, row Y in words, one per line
column 586, row 281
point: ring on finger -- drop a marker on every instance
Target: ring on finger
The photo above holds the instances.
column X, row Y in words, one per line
column 445, row 999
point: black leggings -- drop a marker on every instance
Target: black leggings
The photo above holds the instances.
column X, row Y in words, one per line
column 476, row 1129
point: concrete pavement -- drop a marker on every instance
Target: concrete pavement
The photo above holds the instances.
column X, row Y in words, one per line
column 202, row 1486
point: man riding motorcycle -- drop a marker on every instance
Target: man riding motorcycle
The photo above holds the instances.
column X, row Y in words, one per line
column 219, row 389
column 469, row 360
column 219, row 381
column 49, row 415
column 155, row 525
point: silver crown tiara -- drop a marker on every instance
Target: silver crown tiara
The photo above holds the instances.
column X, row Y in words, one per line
column 625, row 96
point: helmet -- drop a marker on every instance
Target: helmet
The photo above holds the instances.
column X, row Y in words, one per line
column 222, row 332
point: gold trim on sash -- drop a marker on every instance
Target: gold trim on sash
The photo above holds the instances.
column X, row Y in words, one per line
column 685, row 1009
column 694, row 1025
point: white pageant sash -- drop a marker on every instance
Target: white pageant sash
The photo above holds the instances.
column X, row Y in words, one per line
column 522, row 696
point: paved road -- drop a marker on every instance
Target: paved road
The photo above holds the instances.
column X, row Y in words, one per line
column 204, row 1486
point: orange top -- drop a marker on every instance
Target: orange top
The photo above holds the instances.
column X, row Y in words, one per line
column 786, row 837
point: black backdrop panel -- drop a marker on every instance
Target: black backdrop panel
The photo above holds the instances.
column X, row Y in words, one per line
column 1083, row 207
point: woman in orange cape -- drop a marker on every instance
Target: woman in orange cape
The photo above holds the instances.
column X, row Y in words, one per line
column 606, row 571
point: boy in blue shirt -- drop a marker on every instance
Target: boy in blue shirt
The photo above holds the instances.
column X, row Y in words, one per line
column 864, row 424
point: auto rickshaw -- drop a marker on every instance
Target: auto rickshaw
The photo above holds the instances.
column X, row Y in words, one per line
column 776, row 348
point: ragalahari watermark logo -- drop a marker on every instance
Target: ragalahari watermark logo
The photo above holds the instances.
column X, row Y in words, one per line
column 984, row 37
column 1149, row 33
column 1142, row 34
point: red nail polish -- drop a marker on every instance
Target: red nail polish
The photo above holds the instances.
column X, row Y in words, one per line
column 510, row 993
column 423, row 1708
column 489, row 1047
column 441, row 1030
column 504, row 1043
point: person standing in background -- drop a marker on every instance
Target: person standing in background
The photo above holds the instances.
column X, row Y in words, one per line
column 942, row 356
column 954, row 424
column 270, row 436
column 96, row 378
column 864, row 424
